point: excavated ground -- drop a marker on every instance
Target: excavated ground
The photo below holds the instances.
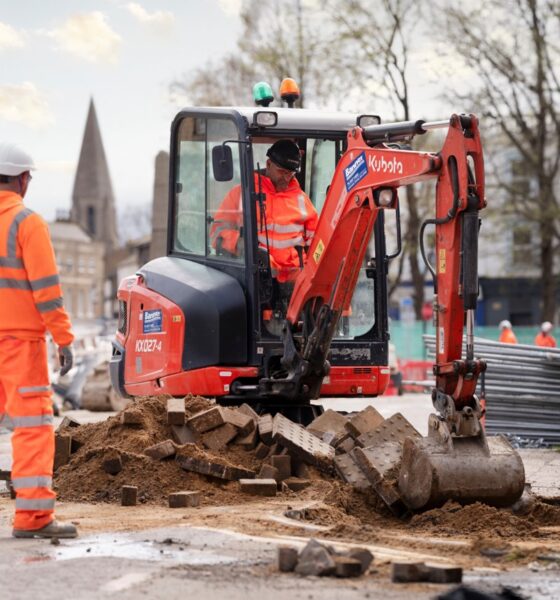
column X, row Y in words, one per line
column 480, row 535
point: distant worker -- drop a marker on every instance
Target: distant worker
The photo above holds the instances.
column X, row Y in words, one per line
column 291, row 218
column 544, row 337
column 507, row 336
column 30, row 305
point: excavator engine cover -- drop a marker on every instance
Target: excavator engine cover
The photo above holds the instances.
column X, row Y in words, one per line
column 464, row 469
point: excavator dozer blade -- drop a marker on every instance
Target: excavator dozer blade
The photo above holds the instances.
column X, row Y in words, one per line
column 465, row 469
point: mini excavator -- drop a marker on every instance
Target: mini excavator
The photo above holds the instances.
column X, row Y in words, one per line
column 211, row 324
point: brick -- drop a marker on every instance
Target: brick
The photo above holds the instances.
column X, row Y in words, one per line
column 162, row 450
column 265, row 428
column 244, row 423
column 132, row 418
column 350, row 472
column 316, row 560
column 364, row 421
column 184, row 499
column 363, row 555
column 62, row 449
column 329, row 421
column 176, row 413
column 207, row 420
column 213, row 468
column 220, row 437
column 302, row 444
column 347, row 567
column 112, row 462
column 295, row 484
column 249, row 441
column 262, row 451
column 275, row 450
column 287, row 559
column 394, row 429
column 408, row 572
column 129, row 495
column 66, row 423
column 283, row 464
column 345, row 445
column 379, row 464
column 269, row 472
column 258, row 487
column 443, row 573
column 183, row 434
column 247, row 410
column 300, row 469
column 75, row 445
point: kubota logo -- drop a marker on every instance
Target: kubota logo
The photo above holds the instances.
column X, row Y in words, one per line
column 380, row 165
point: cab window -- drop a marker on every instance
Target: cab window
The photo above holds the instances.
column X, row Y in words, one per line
column 208, row 213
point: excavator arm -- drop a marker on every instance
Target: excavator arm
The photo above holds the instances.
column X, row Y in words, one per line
column 456, row 461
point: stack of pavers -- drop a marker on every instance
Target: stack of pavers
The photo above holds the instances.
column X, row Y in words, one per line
column 522, row 388
column 368, row 450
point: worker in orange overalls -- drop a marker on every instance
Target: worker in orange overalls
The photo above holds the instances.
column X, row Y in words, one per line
column 291, row 218
column 506, row 335
column 544, row 337
column 30, row 305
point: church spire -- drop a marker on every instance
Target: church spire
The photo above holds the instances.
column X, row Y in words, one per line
column 93, row 203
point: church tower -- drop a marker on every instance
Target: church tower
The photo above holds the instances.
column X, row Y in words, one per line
column 93, row 203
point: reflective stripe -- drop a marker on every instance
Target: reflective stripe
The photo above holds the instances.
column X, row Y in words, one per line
column 12, row 234
column 229, row 227
column 34, row 388
column 302, row 207
column 6, row 421
column 284, row 228
column 35, row 504
column 34, row 421
column 15, row 284
column 282, row 244
column 32, row 482
column 10, row 262
column 44, row 282
column 49, row 305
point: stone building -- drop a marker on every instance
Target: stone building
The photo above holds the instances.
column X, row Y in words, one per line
column 81, row 266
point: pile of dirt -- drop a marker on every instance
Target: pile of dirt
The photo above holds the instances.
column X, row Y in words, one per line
column 83, row 479
column 452, row 519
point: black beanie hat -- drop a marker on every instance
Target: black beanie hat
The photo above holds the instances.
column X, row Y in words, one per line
column 285, row 154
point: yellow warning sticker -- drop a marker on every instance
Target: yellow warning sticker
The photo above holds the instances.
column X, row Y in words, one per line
column 176, row 318
column 318, row 251
column 442, row 261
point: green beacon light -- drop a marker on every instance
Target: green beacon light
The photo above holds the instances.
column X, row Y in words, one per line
column 262, row 93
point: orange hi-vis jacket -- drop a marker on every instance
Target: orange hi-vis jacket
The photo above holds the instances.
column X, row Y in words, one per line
column 545, row 341
column 291, row 220
column 30, row 293
column 507, row 337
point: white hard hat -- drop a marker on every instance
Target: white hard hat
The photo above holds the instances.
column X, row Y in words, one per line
column 505, row 325
column 546, row 326
column 13, row 160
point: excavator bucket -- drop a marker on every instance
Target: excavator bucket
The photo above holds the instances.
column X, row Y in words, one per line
column 465, row 469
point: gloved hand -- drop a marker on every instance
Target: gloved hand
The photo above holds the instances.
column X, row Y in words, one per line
column 66, row 359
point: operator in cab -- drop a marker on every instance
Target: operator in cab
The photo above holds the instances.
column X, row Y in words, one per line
column 288, row 222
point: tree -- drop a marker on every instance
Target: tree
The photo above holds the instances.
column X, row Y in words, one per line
column 378, row 38
column 512, row 50
column 279, row 38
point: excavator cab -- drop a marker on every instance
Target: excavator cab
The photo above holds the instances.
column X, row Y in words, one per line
column 227, row 333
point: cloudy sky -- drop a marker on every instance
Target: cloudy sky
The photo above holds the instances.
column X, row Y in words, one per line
column 56, row 55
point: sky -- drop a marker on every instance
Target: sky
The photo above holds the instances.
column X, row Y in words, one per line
column 55, row 55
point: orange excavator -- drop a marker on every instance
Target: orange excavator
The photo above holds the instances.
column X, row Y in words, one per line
column 201, row 322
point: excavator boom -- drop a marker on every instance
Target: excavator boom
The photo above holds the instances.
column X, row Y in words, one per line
column 456, row 460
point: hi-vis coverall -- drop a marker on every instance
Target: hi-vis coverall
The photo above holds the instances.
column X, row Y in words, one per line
column 30, row 304
column 291, row 221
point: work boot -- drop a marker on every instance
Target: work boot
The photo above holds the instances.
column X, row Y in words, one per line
column 53, row 530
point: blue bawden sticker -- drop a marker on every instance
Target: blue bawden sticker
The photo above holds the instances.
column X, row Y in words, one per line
column 355, row 171
column 152, row 321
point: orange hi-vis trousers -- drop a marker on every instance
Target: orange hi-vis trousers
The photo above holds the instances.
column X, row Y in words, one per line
column 25, row 398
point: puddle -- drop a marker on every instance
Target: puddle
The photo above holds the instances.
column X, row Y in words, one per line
column 108, row 545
